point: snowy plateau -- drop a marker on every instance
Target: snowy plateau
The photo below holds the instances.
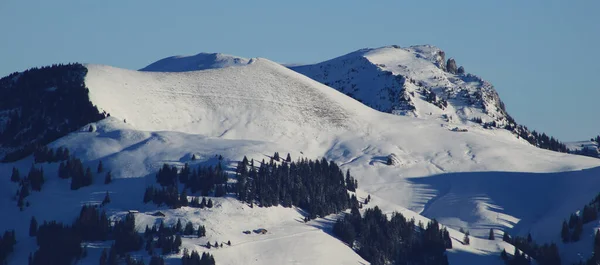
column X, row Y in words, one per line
column 357, row 110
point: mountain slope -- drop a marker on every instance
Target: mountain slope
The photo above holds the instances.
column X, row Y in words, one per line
column 410, row 81
column 260, row 108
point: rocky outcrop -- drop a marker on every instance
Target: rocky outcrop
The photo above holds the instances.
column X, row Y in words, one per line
column 451, row 66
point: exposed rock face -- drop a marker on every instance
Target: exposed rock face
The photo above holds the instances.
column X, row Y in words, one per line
column 451, row 66
column 404, row 81
column 461, row 70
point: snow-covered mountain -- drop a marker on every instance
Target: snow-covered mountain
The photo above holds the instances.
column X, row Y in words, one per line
column 201, row 61
column 415, row 81
column 458, row 172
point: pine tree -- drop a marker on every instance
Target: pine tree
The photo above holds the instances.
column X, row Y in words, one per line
column 104, row 258
column 106, row 199
column 108, row 178
column 33, row 226
column 15, row 177
column 491, row 236
column 506, row 237
column 178, row 226
column 177, row 243
column 194, row 157
column 504, row 255
column 201, row 231
column 100, row 167
column 577, row 230
column 466, row 239
column 112, row 256
column 288, row 158
column 529, row 239
column 189, row 229
column 229, row 242
column 209, row 204
column 564, row 232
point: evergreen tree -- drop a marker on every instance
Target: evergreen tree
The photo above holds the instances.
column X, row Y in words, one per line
column 33, row 226
column 106, row 199
column 178, row 226
column 177, row 243
column 183, row 201
column 491, row 236
column 577, row 230
column 15, row 177
column 201, row 231
column 189, row 229
column 506, row 237
column 288, row 158
column 108, row 178
column 104, row 258
column 466, row 239
column 100, row 167
column 209, row 204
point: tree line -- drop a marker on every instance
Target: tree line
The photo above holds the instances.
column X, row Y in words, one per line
column 7, row 245
column 38, row 101
column 318, row 186
column 396, row 240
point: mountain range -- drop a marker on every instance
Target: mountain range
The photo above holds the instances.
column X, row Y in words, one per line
column 421, row 136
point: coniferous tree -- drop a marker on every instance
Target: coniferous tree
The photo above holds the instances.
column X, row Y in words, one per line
column 104, row 258
column 201, row 231
column 178, row 226
column 33, row 226
column 189, row 229
column 466, row 239
column 577, row 230
column 106, row 199
column 288, row 158
column 506, row 237
column 504, row 255
column 100, row 167
column 15, row 176
column 108, row 178
column 209, row 204
column 491, row 236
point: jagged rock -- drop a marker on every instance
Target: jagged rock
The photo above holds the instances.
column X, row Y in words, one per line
column 451, row 66
column 461, row 70
column 392, row 160
column 441, row 60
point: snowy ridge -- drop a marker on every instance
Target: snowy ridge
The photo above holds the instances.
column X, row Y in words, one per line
column 201, row 61
column 260, row 108
column 410, row 81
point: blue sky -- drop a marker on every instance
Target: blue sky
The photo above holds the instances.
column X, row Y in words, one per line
column 541, row 55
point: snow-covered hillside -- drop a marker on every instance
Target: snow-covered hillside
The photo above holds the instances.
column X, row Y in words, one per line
column 462, row 174
column 201, row 61
column 414, row 81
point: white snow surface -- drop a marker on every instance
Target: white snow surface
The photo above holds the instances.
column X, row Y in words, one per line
column 201, row 61
column 477, row 180
column 379, row 77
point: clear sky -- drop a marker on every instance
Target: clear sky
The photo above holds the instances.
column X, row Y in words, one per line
column 542, row 55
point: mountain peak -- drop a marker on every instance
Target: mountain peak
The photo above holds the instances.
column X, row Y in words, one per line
column 200, row 61
column 414, row 81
